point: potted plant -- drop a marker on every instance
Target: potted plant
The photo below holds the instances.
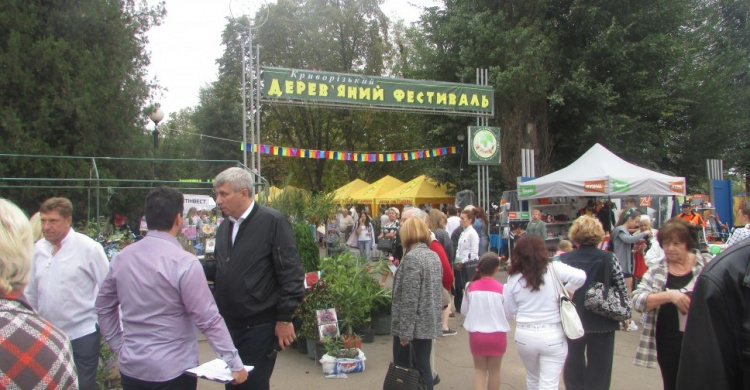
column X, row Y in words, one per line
column 317, row 297
column 380, row 312
column 352, row 289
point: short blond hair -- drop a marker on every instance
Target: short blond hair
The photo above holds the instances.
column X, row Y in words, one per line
column 36, row 226
column 586, row 231
column 414, row 231
column 16, row 246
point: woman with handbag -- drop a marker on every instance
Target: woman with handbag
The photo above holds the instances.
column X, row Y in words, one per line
column 387, row 240
column 663, row 296
column 416, row 300
column 531, row 296
column 622, row 245
column 484, row 308
column 467, row 251
column 589, row 361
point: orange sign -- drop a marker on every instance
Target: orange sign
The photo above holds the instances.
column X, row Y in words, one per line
column 646, row 201
column 512, row 215
column 677, row 187
column 594, row 186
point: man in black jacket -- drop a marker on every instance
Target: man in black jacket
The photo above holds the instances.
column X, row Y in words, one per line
column 716, row 345
column 258, row 280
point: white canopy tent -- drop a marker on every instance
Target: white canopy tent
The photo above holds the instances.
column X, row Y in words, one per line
column 599, row 172
column 200, row 202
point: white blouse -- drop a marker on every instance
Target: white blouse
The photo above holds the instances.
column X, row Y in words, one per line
column 468, row 245
column 541, row 306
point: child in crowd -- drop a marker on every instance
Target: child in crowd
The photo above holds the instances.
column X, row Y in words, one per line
column 484, row 308
column 564, row 246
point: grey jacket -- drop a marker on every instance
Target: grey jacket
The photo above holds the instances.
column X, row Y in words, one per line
column 416, row 308
column 623, row 243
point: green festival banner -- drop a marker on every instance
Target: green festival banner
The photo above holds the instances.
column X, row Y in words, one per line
column 350, row 156
column 293, row 86
column 484, row 145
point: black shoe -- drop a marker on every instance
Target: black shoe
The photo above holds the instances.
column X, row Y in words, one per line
column 452, row 315
column 449, row 332
column 436, row 380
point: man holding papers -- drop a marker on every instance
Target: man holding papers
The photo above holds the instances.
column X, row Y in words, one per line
column 162, row 293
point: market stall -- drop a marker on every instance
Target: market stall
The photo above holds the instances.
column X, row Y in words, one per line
column 369, row 195
column 343, row 194
column 420, row 190
column 598, row 173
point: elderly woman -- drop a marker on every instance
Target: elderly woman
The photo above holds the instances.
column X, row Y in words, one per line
column 663, row 296
column 589, row 361
column 416, row 302
column 35, row 353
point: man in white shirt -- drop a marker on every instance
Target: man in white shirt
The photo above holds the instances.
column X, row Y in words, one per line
column 67, row 271
column 453, row 221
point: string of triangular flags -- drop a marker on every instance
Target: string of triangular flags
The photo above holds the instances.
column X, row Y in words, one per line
column 285, row 151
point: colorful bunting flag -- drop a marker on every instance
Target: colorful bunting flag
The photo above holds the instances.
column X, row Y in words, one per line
column 349, row 156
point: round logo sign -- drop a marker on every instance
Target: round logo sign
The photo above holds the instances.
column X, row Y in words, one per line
column 485, row 143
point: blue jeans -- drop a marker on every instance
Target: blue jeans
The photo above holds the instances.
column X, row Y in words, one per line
column 422, row 349
column 365, row 249
column 255, row 345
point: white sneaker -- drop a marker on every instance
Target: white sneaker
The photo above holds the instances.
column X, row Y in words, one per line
column 632, row 327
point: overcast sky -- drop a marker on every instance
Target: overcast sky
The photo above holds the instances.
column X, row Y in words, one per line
column 185, row 47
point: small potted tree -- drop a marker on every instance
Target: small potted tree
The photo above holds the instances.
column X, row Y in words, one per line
column 317, row 297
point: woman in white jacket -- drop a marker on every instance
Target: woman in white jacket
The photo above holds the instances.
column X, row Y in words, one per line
column 530, row 296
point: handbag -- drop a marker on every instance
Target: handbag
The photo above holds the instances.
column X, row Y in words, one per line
column 403, row 378
column 385, row 244
column 571, row 322
column 606, row 301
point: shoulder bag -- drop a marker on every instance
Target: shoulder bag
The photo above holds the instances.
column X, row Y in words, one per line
column 604, row 300
column 403, row 378
column 385, row 244
column 569, row 318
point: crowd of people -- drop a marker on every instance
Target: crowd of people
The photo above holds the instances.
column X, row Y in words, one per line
column 65, row 294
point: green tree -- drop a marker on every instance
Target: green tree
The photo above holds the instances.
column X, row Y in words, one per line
column 73, row 84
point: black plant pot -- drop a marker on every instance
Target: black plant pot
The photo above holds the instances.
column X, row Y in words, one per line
column 367, row 334
column 302, row 345
column 381, row 324
column 320, row 350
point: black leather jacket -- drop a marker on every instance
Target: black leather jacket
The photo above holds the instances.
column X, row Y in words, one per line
column 716, row 344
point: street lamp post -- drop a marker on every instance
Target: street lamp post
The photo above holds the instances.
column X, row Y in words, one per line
column 156, row 117
column 461, row 137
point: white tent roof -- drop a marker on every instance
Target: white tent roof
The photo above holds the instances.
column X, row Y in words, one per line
column 600, row 172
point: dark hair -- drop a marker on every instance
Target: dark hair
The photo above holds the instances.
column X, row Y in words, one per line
column 162, row 207
column 480, row 214
column 530, row 260
column 452, row 210
column 745, row 207
column 630, row 213
column 469, row 214
column 487, row 264
column 679, row 229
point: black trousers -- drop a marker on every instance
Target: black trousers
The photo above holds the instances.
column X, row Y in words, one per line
column 182, row 382
column 255, row 345
column 86, row 357
column 422, row 349
column 589, row 362
column 458, row 288
column 668, row 349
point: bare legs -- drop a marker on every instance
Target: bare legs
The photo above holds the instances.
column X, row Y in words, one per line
column 487, row 372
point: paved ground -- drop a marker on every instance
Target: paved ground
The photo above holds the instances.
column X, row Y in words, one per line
column 453, row 361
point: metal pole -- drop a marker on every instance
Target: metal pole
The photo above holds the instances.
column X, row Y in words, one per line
column 244, row 104
column 257, row 101
column 253, row 140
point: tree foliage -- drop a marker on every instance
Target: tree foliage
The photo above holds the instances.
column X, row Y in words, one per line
column 73, row 84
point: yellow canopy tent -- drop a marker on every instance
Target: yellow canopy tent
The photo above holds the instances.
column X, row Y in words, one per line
column 419, row 190
column 371, row 193
column 273, row 192
column 343, row 193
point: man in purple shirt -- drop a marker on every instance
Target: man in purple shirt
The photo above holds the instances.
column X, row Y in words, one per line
column 162, row 292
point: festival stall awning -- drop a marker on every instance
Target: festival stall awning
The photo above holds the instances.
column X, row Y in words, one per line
column 343, row 193
column 419, row 190
column 599, row 172
column 371, row 193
